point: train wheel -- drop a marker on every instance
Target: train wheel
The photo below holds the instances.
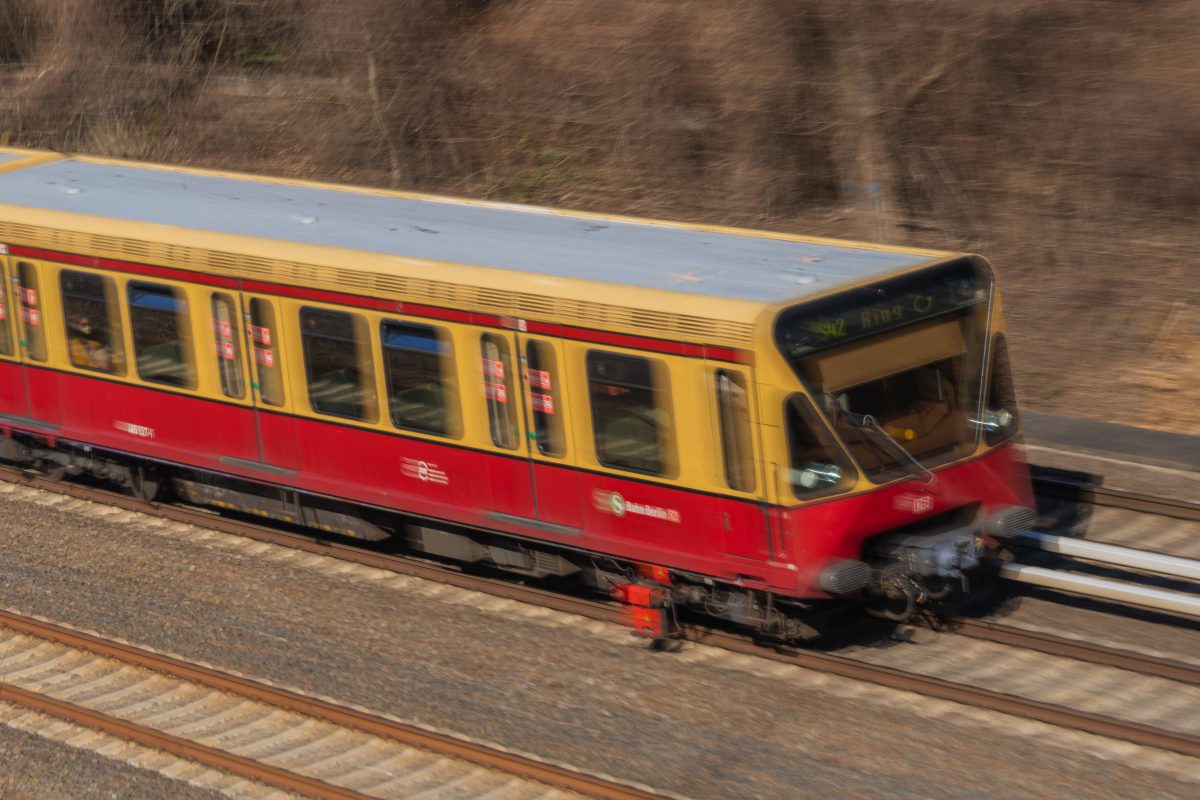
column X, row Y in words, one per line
column 51, row 468
column 145, row 483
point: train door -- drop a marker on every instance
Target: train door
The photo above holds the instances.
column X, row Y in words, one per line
column 40, row 380
column 273, row 420
column 743, row 530
column 12, row 382
column 509, row 472
column 551, row 454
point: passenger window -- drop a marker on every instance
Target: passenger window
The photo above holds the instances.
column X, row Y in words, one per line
column 733, row 412
column 630, row 413
column 542, row 376
column 162, row 345
column 818, row 465
column 422, row 392
column 265, row 341
column 497, row 389
column 228, row 345
column 337, row 358
column 6, row 340
column 32, row 328
column 93, row 321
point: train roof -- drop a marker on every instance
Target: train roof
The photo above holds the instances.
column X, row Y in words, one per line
column 433, row 236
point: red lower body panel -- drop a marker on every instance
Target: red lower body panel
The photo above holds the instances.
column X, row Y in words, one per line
column 723, row 537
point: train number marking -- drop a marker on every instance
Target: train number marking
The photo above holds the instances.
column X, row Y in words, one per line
column 423, row 471
column 141, row 431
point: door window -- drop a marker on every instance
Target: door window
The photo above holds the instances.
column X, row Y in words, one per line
column 264, row 336
column 542, row 376
column 733, row 413
column 497, row 390
column 32, row 324
column 6, row 338
column 227, row 344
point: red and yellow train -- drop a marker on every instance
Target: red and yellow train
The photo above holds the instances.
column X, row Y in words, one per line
column 749, row 424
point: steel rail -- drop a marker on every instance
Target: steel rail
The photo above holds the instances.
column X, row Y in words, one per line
column 177, row 746
column 1063, row 489
column 1118, row 591
column 1075, row 649
column 938, row 688
column 1099, row 552
column 343, row 716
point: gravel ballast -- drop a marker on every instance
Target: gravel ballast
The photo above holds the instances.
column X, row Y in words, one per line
column 700, row 724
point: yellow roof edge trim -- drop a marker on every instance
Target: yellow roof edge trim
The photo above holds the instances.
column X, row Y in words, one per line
column 531, row 209
column 572, row 301
column 29, row 158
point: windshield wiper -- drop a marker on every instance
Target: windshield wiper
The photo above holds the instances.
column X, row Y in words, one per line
column 886, row 443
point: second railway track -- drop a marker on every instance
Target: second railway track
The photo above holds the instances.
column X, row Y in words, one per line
column 263, row 733
column 1184, row 742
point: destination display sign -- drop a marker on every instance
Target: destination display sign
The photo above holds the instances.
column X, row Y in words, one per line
column 875, row 309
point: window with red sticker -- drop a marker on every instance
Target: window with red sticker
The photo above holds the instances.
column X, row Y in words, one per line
column 541, row 369
column 497, row 389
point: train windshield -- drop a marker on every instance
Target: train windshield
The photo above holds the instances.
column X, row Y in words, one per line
column 900, row 360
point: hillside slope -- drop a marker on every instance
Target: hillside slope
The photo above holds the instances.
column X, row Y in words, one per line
column 1058, row 137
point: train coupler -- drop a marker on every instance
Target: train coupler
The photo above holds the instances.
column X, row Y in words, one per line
column 648, row 611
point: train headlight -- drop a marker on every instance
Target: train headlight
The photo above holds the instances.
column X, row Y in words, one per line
column 1010, row 520
column 844, row 577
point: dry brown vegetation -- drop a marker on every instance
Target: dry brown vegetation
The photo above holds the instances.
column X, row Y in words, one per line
column 1059, row 137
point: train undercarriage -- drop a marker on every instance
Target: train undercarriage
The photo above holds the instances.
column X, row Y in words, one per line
column 902, row 570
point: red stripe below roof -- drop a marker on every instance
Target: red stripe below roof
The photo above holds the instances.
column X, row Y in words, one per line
column 673, row 347
column 170, row 273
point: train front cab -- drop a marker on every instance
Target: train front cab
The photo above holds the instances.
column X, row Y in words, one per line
column 898, row 426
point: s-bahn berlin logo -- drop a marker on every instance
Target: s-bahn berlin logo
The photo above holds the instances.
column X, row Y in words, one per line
column 613, row 503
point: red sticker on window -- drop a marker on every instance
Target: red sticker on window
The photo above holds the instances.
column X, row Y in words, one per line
column 227, row 350
column 264, row 357
column 538, row 379
column 224, row 329
column 493, row 369
column 3, row 312
column 262, row 335
column 496, row 391
column 28, row 296
column 542, row 403
column 31, row 316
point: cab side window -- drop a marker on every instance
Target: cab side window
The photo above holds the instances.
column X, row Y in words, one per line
column 337, row 358
column 818, row 465
column 631, row 420
column 228, row 344
column 162, row 345
column 32, row 325
column 93, row 321
column 733, row 414
column 6, row 338
column 419, row 363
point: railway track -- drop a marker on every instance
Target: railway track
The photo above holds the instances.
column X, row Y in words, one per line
column 262, row 733
column 1184, row 742
column 1133, row 577
column 1048, row 484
